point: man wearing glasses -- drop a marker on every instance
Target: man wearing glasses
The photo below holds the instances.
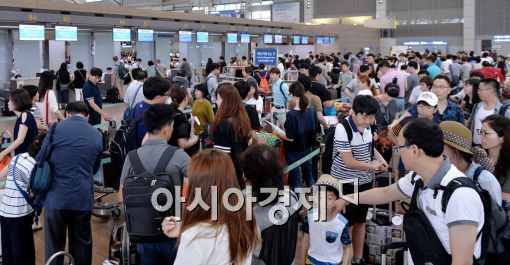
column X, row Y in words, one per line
column 421, row 146
column 490, row 104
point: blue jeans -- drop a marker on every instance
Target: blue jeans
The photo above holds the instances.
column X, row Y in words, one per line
column 305, row 168
column 400, row 104
column 161, row 253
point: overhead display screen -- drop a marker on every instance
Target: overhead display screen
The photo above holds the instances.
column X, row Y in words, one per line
column 121, row 34
column 332, row 40
column 304, row 40
column 326, row 40
column 65, row 33
column 278, row 39
column 296, row 40
column 145, row 35
column 319, row 40
column 184, row 36
column 31, row 32
column 268, row 38
column 245, row 38
column 202, row 37
column 231, row 37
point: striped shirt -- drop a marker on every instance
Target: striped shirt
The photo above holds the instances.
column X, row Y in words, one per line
column 360, row 147
column 13, row 203
column 36, row 112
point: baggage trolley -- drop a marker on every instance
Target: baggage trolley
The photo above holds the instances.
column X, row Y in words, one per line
column 58, row 254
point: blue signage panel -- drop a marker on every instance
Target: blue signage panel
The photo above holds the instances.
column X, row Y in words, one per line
column 231, row 37
column 184, row 36
column 267, row 56
column 304, row 40
column 145, row 35
column 31, row 32
column 332, row 40
column 245, row 38
column 226, row 13
column 121, row 34
column 319, row 40
column 64, row 33
column 202, row 37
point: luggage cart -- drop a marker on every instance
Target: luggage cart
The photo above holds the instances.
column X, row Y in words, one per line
column 58, row 254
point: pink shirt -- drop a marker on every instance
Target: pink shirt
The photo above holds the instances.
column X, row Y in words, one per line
column 401, row 80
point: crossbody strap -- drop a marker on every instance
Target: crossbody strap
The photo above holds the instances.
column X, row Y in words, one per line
column 23, row 192
column 136, row 94
column 281, row 90
column 49, row 149
column 47, row 107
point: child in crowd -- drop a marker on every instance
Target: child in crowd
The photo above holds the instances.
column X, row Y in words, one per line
column 326, row 242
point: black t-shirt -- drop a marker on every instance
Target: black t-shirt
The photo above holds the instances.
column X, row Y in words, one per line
column 226, row 141
column 181, row 127
column 79, row 78
column 92, row 91
column 321, row 91
column 254, row 117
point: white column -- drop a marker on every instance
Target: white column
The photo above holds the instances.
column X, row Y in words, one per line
column 469, row 25
column 308, row 13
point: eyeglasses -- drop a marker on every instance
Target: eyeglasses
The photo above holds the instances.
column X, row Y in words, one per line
column 440, row 87
column 483, row 133
column 403, row 146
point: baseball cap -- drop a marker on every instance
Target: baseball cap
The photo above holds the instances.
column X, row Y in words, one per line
column 429, row 98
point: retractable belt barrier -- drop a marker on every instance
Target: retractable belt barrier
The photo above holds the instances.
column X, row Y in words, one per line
column 301, row 161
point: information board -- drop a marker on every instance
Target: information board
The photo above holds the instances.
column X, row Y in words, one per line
column 245, row 38
column 184, row 36
column 145, row 35
column 267, row 56
column 65, row 33
column 202, row 37
column 120, row 34
column 296, row 40
column 231, row 37
column 319, row 40
column 31, row 32
column 304, row 40
column 268, row 38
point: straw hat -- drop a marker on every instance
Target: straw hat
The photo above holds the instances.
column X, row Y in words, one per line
column 328, row 180
column 457, row 135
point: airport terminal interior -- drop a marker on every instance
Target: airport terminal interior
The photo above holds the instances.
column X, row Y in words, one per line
column 264, row 132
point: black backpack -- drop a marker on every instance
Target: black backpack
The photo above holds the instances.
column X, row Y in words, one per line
column 327, row 157
column 496, row 232
column 123, row 142
column 424, row 245
column 122, row 72
column 143, row 221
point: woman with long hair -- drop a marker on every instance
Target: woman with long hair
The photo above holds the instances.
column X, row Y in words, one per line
column 48, row 103
column 218, row 235
column 63, row 81
column 208, row 66
column 300, row 133
column 495, row 138
column 182, row 128
column 365, row 87
column 231, row 129
column 25, row 129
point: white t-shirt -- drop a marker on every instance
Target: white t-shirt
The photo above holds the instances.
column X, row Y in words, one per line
column 365, row 92
column 415, row 93
column 464, row 207
column 13, row 204
column 327, row 238
column 52, row 105
column 481, row 114
column 204, row 244
column 131, row 93
column 258, row 104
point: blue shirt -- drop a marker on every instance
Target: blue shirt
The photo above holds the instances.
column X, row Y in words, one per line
column 92, row 91
column 140, row 130
column 451, row 113
column 32, row 132
column 433, row 70
column 76, row 157
column 280, row 99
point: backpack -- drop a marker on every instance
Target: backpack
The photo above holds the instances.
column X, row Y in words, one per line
column 143, row 221
column 496, row 232
column 423, row 242
column 123, row 142
column 122, row 71
column 128, row 112
column 327, row 157
column 503, row 109
column 42, row 176
column 263, row 82
column 286, row 100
